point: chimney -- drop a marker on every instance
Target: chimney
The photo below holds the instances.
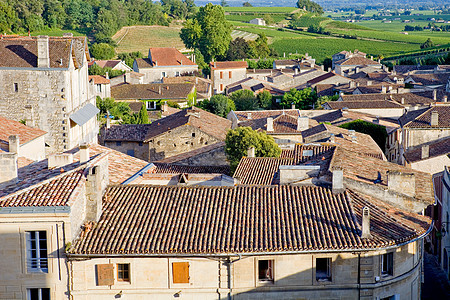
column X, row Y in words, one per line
column 43, row 52
column 434, row 118
column 332, row 138
column 165, row 106
column 302, row 123
column 249, row 115
column 434, row 95
column 107, row 75
column 402, row 182
column 322, row 67
column 365, row 228
column 14, row 144
column 383, row 89
column 352, row 135
column 445, row 98
column 159, row 89
column 94, row 191
column 369, row 82
column 356, row 70
column 84, row 153
column 59, row 160
column 108, row 120
column 338, row 181
column 403, row 100
column 8, row 170
column 270, row 124
column 295, row 71
column 293, row 106
column 352, row 84
column 425, row 151
column 251, row 152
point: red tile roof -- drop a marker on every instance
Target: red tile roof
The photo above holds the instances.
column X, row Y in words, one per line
column 152, row 91
column 357, row 61
column 246, row 115
column 107, row 63
column 422, row 118
column 216, row 65
column 363, row 104
column 169, row 57
column 174, row 168
column 162, row 220
column 436, row 148
column 99, row 79
column 25, row 133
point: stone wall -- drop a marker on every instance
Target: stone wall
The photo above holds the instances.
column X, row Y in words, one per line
column 140, row 150
column 214, row 157
column 155, row 74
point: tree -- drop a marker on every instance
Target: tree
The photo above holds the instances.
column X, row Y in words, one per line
column 264, row 99
column 247, row 4
column 102, row 51
column 208, row 31
column 7, row 17
column 224, row 3
column 428, row 44
column 220, row 105
column 238, row 49
column 244, row 100
column 259, row 48
column 377, row 132
column 239, row 140
column 142, row 116
column 324, row 99
column 310, row 6
column 303, row 99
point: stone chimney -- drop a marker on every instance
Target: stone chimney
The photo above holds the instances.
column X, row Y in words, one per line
column 84, row 153
column 352, row 134
column 8, row 168
column 249, row 115
column 14, row 144
column 434, row 118
column 293, row 106
column 295, row 71
column 59, row 160
column 332, row 138
column 365, row 226
column 94, row 193
column 402, row 182
column 108, row 120
column 434, row 95
column 270, row 124
column 165, row 107
column 383, row 89
column 369, row 82
column 251, row 152
column 43, row 52
column 403, row 100
column 445, row 98
column 352, row 84
column 106, row 75
column 302, row 123
column 425, row 151
column 338, row 181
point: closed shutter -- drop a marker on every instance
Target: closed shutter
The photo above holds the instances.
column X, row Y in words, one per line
column 105, row 274
column 180, row 272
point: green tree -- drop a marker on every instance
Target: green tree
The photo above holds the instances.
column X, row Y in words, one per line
column 259, row 48
column 129, row 58
column 303, row 99
column 102, row 51
column 239, row 140
column 8, row 17
column 310, row 6
column 208, row 31
column 264, row 99
column 324, row 99
column 223, row 3
column 79, row 14
column 220, row 105
column 142, row 116
column 244, row 100
column 247, row 4
column 377, row 132
column 238, row 49
column 428, row 44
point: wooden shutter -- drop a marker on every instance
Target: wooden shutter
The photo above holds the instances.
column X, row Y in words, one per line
column 180, row 272
column 105, row 274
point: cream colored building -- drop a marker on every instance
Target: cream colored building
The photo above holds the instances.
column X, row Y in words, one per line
column 224, row 73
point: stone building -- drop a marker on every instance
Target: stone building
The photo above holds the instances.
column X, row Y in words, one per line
column 163, row 62
column 181, row 132
column 224, row 73
column 431, row 157
column 44, row 81
column 102, row 85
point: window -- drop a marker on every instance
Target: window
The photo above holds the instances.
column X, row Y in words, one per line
column 177, row 73
column 387, row 264
column 323, row 269
column 221, row 75
column 193, row 134
column 123, row 272
column 140, row 144
column 163, row 74
column 221, row 87
column 37, row 260
column 16, row 87
column 118, row 143
column 150, row 105
column 229, row 74
column 38, row 294
column 105, row 274
column 130, row 152
column 180, row 272
column 99, row 88
column 265, row 270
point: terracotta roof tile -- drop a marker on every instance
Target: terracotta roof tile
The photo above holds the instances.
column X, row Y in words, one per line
column 216, row 65
column 436, row 148
column 402, row 99
column 264, row 114
column 25, row 133
column 174, row 168
column 201, row 84
column 282, row 124
column 422, row 118
column 107, row 63
column 152, row 91
column 357, row 61
column 363, row 104
column 242, row 219
column 169, row 57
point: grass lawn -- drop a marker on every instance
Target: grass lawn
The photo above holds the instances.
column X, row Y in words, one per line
column 56, row 32
column 141, row 38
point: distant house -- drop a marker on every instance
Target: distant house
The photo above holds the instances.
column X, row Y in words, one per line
column 203, row 86
column 430, row 157
column 113, row 64
column 224, row 73
column 258, row 21
column 102, row 85
column 128, row 77
column 181, row 132
column 151, row 94
column 163, row 62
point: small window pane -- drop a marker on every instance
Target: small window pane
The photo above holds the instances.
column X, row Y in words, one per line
column 45, row 294
column 265, row 270
column 323, row 269
column 34, row 294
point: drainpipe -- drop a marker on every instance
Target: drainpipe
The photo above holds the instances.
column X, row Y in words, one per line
column 359, row 276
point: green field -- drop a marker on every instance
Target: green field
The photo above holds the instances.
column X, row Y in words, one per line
column 56, row 32
column 273, row 10
column 246, row 18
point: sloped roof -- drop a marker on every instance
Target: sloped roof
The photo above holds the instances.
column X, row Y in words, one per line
column 241, row 219
column 430, row 79
column 192, row 153
column 363, row 104
column 169, row 57
column 202, row 85
column 174, row 91
column 422, row 118
column 282, row 124
column 356, row 61
column 407, row 98
column 245, row 115
column 175, row 168
column 216, row 65
column 436, row 148
column 99, row 79
column 107, row 63
column 21, row 51
column 25, row 133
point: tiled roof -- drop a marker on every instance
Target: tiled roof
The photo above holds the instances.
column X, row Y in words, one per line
column 243, row 115
column 10, row 127
column 189, row 154
column 407, row 98
column 369, row 170
column 282, row 124
column 152, row 91
column 321, row 78
column 174, row 168
column 215, row 65
column 356, row 61
column 107, row 63
column 437, row 148
column 402, row 69
column 363, row 104
column 161, row 220
column 430, row 79
column 99, row 79
column 143, row 63
column 127, row 132
column 202, row 85
column 169, row 57
column 422, row 118
column 21, row 51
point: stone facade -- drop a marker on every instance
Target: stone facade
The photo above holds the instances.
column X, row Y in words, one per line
column 352, row 276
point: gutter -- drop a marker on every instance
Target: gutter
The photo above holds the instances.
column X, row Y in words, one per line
column 248, row 254
column 138, row 173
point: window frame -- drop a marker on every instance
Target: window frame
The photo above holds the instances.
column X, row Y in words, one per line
column 42, row 263
column 163, row 74
column 40, row 297
column 387, row 264
column 270, row 271
column 123, row 272
column 329, row 270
